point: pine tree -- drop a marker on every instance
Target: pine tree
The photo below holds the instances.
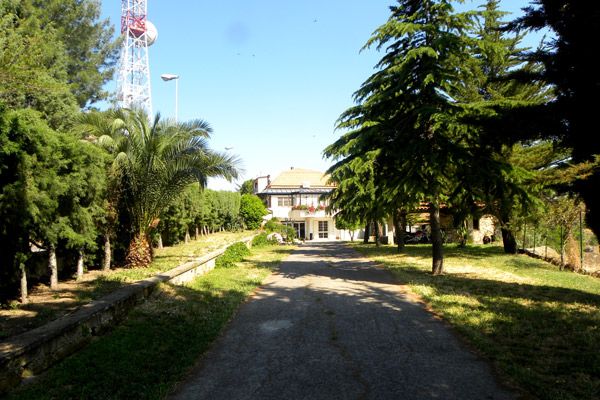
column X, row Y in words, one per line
column 404, row 111
column 568, row 67
column 487, row 82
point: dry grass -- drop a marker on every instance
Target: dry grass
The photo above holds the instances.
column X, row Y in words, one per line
column 46, row 304
column 160, row 341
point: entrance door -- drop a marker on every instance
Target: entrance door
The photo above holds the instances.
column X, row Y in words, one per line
column 300, row 228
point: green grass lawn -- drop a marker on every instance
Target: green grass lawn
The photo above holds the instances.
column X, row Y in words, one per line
column 539, row 326
column 160, row 341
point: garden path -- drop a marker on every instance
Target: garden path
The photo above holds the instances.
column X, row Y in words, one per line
column 330, row 324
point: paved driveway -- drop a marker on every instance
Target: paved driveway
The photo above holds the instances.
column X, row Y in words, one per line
column 329, row 325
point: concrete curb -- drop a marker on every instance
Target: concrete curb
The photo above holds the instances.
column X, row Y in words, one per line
column 36, row 350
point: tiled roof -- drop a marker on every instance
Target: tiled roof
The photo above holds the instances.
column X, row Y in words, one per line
column 298, row 177
column 297, row 190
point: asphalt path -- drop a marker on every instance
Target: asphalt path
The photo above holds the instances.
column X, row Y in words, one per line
column 331, row 325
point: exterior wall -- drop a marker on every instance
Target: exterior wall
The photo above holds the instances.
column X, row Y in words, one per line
column 487, row 227
column 310, row 219
column 261, row 183
column 279, row 212
column 313, row 227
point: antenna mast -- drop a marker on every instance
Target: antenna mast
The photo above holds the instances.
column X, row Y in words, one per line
column 133, row 85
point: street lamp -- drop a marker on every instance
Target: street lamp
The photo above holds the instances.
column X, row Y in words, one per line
column 170, row 77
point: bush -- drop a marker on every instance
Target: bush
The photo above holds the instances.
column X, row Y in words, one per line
column 286, row 231
column 272, row 225
column 234, row 253
column 252, row 210
column 262, row 241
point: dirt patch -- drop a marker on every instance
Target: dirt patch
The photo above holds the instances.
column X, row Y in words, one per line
column 45, row 304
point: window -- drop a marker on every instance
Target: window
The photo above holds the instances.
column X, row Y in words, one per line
column 323, row 230
column 284, row 201
column 476, row 223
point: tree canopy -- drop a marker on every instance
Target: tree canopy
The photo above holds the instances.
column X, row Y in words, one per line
column 252, row 211
column 156, row 161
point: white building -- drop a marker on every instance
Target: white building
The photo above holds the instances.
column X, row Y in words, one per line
column 294, row 198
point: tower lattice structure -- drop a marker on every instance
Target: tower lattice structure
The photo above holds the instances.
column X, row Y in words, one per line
column 134, row 67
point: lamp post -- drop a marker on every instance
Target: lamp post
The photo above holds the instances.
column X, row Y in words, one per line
column 171, row 77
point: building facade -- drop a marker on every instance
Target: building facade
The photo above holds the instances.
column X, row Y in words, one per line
column 295, row 198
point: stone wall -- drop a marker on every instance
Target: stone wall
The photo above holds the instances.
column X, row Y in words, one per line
column 34, row 351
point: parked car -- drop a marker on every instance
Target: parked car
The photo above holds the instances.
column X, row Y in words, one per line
column 416, row 237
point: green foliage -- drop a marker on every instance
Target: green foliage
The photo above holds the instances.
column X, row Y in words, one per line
column 196, row 209
column 261, row 240
column 404, row 139
column 569, row 115
column 53, row 187
column 33, row 62
column 91, row 52
column 272, row 225
column 234, row 254
column 344, row 222
column 247, row 187
column 55, row 56
column 287, row 232
column 156, row 161
column 252, row 209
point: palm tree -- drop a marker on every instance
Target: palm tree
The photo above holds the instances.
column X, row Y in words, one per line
column 154, row 162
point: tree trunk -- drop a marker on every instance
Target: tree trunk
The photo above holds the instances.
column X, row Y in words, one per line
column 107, row 253
column 80, row 265
column 139, row 253
column 24, row 294
column 463, row 232
column 367, row 233
column 377, row 234
column 400, row 228
column 437, row 248
column 53, row 266
column 187, row 236
column 351, row 235
column 160, row 243
column 197, row 234
column 509, row 241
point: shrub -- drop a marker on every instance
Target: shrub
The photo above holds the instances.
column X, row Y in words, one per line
column 252, row 210
column 271, row 225
column 286, row 231
column 234, row 253
column 262, row 241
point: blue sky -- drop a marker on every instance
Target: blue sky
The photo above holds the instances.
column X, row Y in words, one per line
column 270, row 76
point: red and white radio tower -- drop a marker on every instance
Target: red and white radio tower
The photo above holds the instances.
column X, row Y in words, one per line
column 133, row 85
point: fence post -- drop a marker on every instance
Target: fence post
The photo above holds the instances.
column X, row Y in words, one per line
column 581, row 239
column 562, row 255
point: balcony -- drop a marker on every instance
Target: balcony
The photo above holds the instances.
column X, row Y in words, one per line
column 301, row 212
